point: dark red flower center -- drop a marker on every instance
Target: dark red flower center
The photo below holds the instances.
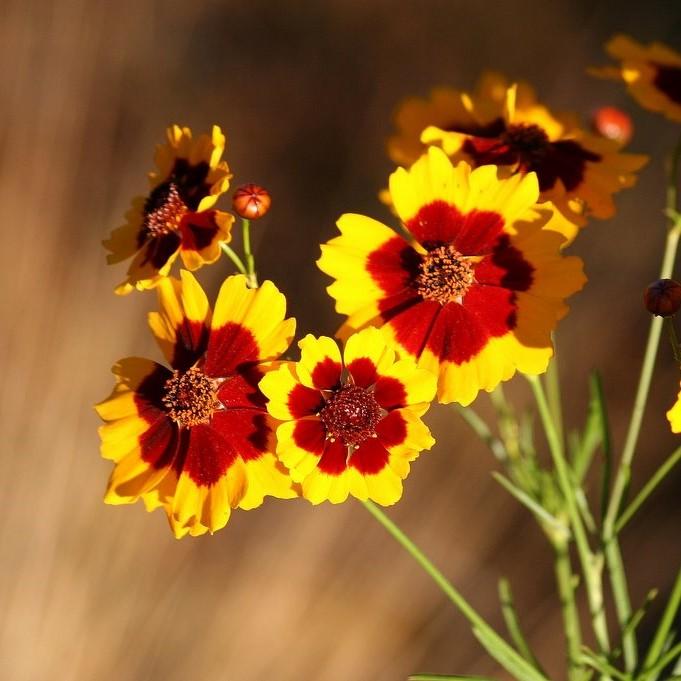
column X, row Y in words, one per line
column 190, row 397
column 444, row 275
column 529, row 142
column 351, row 415
column 668, row 81
column 163, row 210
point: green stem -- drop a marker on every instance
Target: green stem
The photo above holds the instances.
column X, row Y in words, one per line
column 515, row 631
column 620, row 594
column 482, row 430
column 673, row 338
column 666, row 271
column 623, row 475
column 648, row 489
column 566, row 591
column 498, row 648
column 248, row 253
column 553, row 391
column 657, row 646
column 591, row 564
column 234, row 258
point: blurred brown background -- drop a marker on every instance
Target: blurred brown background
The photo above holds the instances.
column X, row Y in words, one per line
column 305, row 91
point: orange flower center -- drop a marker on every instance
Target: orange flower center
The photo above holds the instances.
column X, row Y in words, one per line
column 191, row 397
column 163, row 210
column 444, row 275
column 530, row 142
column 351, row 414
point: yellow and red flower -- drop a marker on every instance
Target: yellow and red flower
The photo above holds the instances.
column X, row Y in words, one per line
column 652, row 74
column 505, row 125
column 674, row 415
column 177, row 217
column 474, row 290
column 351, row 425
column 196, row 439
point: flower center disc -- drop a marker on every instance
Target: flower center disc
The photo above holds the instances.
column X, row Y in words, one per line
column 445, row 275
column 163, row 210
column 190, row 398
column 351, row 415
column 530, row 142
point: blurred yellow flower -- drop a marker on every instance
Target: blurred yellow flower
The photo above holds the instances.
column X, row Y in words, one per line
column 352, row 424
column 652, row 74
column 178, row 215
column 474, row 290
column 196, row 439
column 505, row 125
column 674, row 415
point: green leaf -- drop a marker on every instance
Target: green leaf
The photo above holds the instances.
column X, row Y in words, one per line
column 513, row 623
column 596, row 433
column 542, row 515
column 508, row 659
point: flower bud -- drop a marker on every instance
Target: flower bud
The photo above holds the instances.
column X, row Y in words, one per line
column 613, row 124
column 251, row 201
column 663, row 297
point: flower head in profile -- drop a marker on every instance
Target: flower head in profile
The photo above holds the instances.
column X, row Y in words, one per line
column 652, row 74
column 196, row 438
column 505, row 125
column 352, row 423
column 474, row 289
column 177, row 216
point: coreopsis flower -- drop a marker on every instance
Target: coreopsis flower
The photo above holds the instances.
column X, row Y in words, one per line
column 505, row 125
column 652, row 74
column 473, row 291
column 674, row 415
column 177, row 217
column 196, row 438
column 351, row 425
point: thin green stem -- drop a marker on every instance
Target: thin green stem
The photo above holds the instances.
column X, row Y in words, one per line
column 497, row 647
column 673, row 338
column 508, row 424
column 666, row 271
column 620, row 594
column 591, row 564
column 648, row 489
column 566, row 592
column 482, row 430
column 657, row 646
column 227, row 250
column 513, row 627
column 666, row 659
column 248, row 253
column 553, row 391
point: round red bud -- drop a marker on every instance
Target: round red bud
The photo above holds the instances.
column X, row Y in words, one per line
column 251, row 201
column 613, row 124
column 663, row 297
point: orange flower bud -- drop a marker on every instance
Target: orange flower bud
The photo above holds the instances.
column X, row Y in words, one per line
column 613, row 124
column 251, row 201
column 663, row 297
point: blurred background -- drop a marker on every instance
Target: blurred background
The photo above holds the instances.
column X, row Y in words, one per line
column 305, row 92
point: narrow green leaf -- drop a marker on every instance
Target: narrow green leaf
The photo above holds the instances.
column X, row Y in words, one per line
column 512, row 663
column 648, row 489
column 541, row 513
column 603, row 666
column 639, row 614
column 513, row 623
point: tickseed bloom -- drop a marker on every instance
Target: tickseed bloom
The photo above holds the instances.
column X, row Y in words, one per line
column 674, row 415
column 505, row 125
column 351, row 424
column 476, row 287
column 652, row 74
column 178, row 214
column 196, row 439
